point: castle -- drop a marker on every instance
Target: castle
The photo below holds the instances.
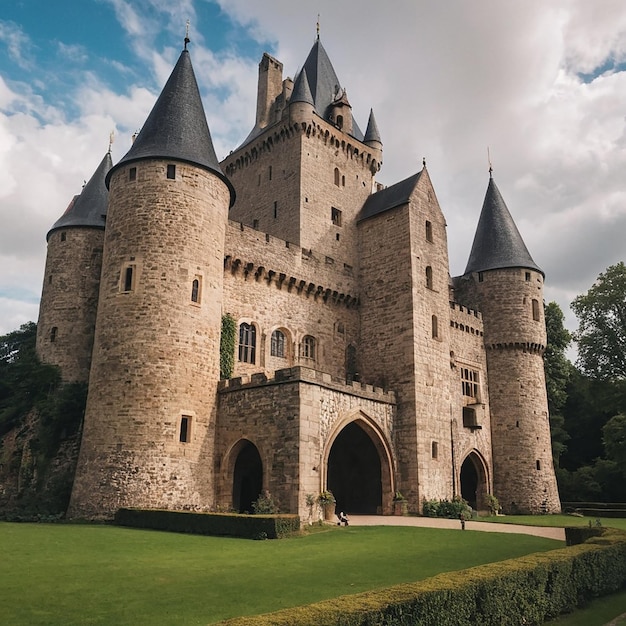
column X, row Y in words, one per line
column 358, row 365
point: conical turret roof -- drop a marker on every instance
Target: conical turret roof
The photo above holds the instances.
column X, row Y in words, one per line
column 177, row 127
column 497, row 242
column 88, row 209
column 301, row 89
column 372, row 133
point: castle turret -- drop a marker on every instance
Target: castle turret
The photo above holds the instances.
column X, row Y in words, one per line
column 502, row 280
column 150, row 417
column 69, row 298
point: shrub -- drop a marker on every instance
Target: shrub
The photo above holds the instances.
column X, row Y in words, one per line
column 445, row 508
column 265, row 505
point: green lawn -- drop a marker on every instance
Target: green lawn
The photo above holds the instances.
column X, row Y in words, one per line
column 599, row 612
column 89, row 574
column 556, row 520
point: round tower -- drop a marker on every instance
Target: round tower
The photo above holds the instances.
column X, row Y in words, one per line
column 148, row 432
column 503, row 281
column 69, row 297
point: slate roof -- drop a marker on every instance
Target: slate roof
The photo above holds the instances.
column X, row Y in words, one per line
column 177, row 127
column 389, row 198
column 301, row 90
column 497, row 242
column 88, row 209
column 372, row 133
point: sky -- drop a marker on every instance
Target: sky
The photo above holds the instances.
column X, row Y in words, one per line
column 538, row 86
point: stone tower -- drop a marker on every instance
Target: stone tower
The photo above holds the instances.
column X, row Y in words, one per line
column 149, row 425
column 504, row 283
column 69, row 298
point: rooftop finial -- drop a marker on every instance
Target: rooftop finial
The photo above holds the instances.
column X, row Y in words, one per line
column 424, row 161
column 111, row 139
column 318, row 27
column 187, row 40
column 489, row 160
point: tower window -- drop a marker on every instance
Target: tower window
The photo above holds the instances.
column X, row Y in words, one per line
column 63, row 236
column 184, row 433
column 435, row 327
column 340, row 121
column 536, row 315
column 308, row 347
column 335, row 216
column 132, row 173
column 277, row 344
column 128, row 278
column 538, row 464
column 337, row 176
column 429, row 231
column 469, row 382
column 275, row 209
column 481, row 277
column 434, row 450
column 171, row 171
column 196, row 289
column 469, row 418
column 247, row 343
column 527, row 277
column 53, row 334
column 270, row 173
column 255, row 224
column 429, row 277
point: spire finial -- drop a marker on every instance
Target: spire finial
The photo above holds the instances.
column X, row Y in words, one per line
column 111, row 139
column 318, row 27
column 187, row 40
column 424, row 161
column 489, row 161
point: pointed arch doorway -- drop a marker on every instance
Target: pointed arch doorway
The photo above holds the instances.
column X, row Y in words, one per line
column 358, row 478
column 473, row 479
column 247, row 476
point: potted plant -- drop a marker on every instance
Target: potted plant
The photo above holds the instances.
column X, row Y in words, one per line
column 400, row 505
column 326, row 501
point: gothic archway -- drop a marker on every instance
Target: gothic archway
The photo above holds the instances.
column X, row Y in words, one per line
column 247, row 477
column 473, row 480
column 355, row 473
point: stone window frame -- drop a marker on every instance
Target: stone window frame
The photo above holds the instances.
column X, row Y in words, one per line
column 132, row 173
column 429, row 231
column 279, row 346
column 435, row 327
column 184, row 428
column 196, row 290
column 54, row 333
column 247, row 343
column 128, row 277
column 171, row 171
column 429, row 277
column 308, row 348
column 335, row 216
column 536, row 310
column 434, row 450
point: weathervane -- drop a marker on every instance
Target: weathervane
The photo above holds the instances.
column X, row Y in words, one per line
column 318, row 26
column 489, row 161
column 187, row 40
column 111, row 139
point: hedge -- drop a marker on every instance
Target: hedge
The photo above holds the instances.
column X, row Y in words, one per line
column 220, row 524
column 527, row 590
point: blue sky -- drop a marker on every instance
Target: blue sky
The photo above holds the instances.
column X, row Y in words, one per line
column 542, row 85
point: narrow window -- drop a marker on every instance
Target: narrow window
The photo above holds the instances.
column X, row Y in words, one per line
column 277, row 344
column 538, row 464
column 50, row 279
column 481, row 277
column 184, row 435
column 255, row 224
column 435, row 327
column 343, row 181
column 247, row 343
column 63, row 236
column 434, row 450
column 196, row 289
column 132, row 173
column 429, row 231
column 337, row 236
column 308, row 347
column 429, row 277
column 171, row 171
column 128, row 278
column 53, row 334
column 275, row 210
column 337, row 176
column 270, row 173
column 535, row 310
column 340, row 121
column 335, row 216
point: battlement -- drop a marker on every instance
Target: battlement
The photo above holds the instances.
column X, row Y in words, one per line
column 260, row 256
column 465, row 319
column 308, row 375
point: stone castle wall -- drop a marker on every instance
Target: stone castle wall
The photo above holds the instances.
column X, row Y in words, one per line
column 69, row 301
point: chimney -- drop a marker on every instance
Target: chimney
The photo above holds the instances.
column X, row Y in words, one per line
column 270, row 87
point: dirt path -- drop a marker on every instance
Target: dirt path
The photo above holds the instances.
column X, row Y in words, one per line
column 433, row 522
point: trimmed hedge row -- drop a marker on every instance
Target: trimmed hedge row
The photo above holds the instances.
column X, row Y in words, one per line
column 528, row 590
column 220, row 524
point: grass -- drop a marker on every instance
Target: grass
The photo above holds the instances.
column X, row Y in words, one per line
column 555, row 520
column 88, row 574
column 599, row 612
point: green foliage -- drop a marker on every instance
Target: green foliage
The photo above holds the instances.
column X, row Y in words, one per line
column 493, row 503
column 218, row 524
column 227, row 346
column 265, row 505
column 326, row 497
column 614, row 438
column 601, row 334
column 450, row 509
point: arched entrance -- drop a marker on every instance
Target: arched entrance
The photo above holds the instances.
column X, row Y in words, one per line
column 247, row 477
column 473, row 481
column 354, row 472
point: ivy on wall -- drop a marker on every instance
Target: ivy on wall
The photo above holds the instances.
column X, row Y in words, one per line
column 227, row 346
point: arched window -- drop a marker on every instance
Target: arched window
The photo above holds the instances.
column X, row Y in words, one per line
column 429, row 231
column 53, row 334
column 195, row 290
column 277, row 344
column 308, row 347
column 435, row 327
column 337, row 177
column 429, row 277
column 247, row 343
column 536, row 316
column 340, row 121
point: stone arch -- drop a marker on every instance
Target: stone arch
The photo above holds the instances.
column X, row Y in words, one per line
column 474, row 480
column 358, row 466
column 244, row 471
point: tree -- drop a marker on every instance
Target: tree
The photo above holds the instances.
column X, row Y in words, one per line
column 601, row 334
column 558, row 372
column 614, row 438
